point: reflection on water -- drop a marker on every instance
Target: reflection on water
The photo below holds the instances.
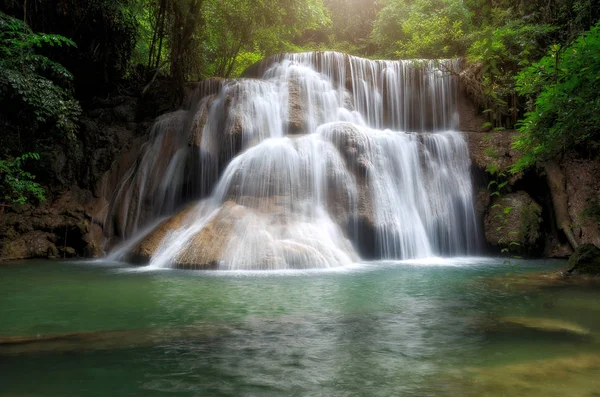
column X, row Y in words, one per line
column 427, row 328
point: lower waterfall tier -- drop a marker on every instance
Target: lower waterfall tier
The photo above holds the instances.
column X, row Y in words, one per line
column 326, row 199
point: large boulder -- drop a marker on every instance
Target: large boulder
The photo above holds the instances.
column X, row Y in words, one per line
column 514, row 222
column 144, row 251
column 205, row 249
column 266, row 236
column 585, row 260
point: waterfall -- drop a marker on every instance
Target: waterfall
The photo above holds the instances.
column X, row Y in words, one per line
column 320, row 160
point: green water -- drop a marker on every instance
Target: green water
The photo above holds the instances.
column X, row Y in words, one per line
column 381, row 329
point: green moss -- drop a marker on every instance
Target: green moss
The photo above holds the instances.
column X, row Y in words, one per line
column 585, row 260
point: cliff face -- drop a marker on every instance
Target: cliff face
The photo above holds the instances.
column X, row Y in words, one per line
column 521, row 217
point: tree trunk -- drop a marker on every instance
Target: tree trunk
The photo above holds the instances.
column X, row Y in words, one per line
column 557, row 185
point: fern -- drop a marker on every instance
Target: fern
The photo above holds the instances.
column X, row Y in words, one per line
column 16, row 184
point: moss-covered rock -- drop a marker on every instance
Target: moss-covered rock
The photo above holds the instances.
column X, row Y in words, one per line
column 514, row 222
column 585, row 260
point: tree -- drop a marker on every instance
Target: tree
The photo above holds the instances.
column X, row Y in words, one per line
column 105, row 32
column 422, row 29
column 240, row 32
column 563, row 90
column 36, row 98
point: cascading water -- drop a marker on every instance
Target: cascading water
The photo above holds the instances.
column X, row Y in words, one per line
column 325, row 159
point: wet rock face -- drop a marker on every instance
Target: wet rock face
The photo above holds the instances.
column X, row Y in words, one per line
column 585, row 260
column 514, row 222
column 361, row 226
column 35, row 244
column 583, row 195
column 492, row 152
column 206, row 247
column 148, row 246
column 59, row 229
column 296, row 109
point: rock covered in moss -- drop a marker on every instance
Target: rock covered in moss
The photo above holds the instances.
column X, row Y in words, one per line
column 514, row 222
column 585, row 260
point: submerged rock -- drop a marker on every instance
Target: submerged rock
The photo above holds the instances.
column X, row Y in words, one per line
column 78, row 342
column 585, row 260
column 573, row 376
column 546, row 325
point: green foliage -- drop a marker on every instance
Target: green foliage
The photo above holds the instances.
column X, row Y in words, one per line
column 564, row 89
column 239, row 30
column 350, row 28
column 16, row 184
column 422, row 28
column 104, row 31
column 200, row 39
column 244, row 60
column 502, row 51
column 32, row 84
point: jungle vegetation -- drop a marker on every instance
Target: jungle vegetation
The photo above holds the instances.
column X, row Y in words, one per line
column 531, row 65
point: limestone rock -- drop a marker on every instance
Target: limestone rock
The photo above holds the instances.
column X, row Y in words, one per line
column 493, row 152
column 573, row 376
column 546, row 325
column 583, row 195
column 148, row 246
column 35, row 244
column 361, row 227
column 514, row 222
column 296, row 108
column 199, row 121
column 205, row 249
column 69, row 252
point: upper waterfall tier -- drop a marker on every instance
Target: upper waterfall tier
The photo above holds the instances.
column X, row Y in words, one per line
column 296, row 170
column 404, row 95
